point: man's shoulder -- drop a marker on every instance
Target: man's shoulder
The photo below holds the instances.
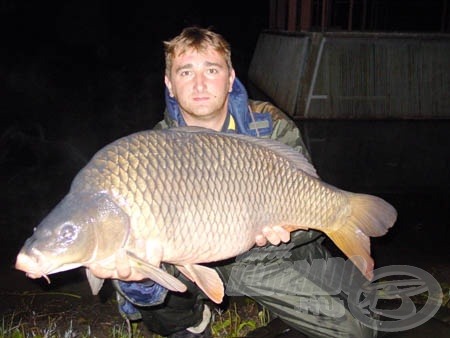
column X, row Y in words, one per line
column 268, row 107
column 279, row 118
column 163, row 124
column 284, row 129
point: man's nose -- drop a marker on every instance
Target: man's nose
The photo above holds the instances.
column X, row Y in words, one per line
column 199, row 83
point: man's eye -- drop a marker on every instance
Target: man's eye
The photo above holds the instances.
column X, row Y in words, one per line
column 212, row 71
column 185, row 73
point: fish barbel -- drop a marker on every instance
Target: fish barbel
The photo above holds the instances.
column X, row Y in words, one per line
column 195, row 196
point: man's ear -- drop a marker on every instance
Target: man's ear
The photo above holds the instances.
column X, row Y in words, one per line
column 231, row 79
column 168, row 85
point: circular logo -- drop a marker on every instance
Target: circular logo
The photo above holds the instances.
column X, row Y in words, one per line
column 384, row 303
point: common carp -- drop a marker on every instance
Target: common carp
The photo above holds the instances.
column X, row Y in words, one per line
column 195, row 196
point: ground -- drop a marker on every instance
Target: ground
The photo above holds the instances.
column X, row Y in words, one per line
column 66, row 303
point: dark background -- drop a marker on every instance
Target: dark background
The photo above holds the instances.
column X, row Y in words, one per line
column 102, row 60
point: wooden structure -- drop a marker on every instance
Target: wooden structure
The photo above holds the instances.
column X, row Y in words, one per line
column 361, row 15
column 314, row 64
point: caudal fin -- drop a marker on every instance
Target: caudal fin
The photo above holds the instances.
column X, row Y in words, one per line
column 370, row 216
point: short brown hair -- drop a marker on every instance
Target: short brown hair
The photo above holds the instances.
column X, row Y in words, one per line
column 199, row 39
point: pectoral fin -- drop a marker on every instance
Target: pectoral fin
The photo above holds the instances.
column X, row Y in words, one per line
column 157, row 274
column 206, row 278
column 94, row 282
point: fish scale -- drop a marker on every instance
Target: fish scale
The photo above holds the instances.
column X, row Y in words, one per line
column 196, row 196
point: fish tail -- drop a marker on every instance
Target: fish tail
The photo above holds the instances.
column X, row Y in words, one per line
column 369, row 216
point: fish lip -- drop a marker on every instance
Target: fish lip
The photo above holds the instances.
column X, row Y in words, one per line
column 29, row 266
column 34, row 269
column 34, row 275
column 32, row 265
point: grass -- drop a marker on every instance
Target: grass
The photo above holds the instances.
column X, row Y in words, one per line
column 9, row 329
column 236, row 321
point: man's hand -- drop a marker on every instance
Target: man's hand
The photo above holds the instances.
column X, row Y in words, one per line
column 274, row 235
column 122, row 269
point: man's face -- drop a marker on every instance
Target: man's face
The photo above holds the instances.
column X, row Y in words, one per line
column 201, row 83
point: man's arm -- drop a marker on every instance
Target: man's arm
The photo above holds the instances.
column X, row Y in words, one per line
column 286, row 131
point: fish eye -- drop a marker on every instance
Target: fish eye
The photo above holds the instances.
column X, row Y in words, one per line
column 67, row 232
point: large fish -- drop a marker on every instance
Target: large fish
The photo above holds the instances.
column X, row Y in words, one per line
column 195, row 196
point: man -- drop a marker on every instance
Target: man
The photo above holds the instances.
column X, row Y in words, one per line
column 202, row 90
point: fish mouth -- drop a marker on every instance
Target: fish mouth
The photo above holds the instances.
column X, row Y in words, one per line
column 34, row 266
column 38, row 275
column 29, row 265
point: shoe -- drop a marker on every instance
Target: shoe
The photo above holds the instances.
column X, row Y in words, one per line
column 275, row 329
column 193, row 332
column 187, row 334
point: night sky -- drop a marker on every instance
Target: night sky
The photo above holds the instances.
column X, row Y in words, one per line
column 102, row 60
